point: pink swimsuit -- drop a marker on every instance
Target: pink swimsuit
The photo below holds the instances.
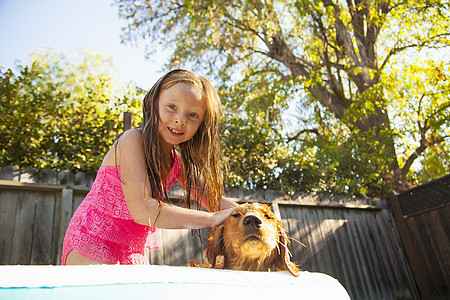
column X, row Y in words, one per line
column 102, row 228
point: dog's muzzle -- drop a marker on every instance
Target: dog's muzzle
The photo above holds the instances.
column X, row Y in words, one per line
column 252, row 222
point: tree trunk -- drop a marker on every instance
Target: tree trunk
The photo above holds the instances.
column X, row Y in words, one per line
column 334, row 100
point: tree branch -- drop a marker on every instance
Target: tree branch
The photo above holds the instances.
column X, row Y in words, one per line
column 395, row 50
column 295, row 137
column 335, row 86
column 424, row 144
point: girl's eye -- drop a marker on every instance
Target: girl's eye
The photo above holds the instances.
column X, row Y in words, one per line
column 171, row 106
column 193, row 115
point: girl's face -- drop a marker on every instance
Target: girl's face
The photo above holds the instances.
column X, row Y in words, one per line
column 181, row 111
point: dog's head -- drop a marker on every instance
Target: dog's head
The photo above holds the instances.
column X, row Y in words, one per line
column 251, row 239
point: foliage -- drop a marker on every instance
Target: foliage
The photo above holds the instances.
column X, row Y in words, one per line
column 61, row 112
column 368, row 78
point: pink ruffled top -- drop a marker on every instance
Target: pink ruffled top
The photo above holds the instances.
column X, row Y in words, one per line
column 102, row 228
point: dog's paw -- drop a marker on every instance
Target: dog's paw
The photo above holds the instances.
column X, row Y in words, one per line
column 195, row 264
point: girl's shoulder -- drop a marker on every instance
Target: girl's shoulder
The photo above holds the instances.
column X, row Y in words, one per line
column 132, row 133
column 130, row 138
column 129, row 144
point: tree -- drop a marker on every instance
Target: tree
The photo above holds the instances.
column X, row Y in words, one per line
column 372, row 91
column 62, row 112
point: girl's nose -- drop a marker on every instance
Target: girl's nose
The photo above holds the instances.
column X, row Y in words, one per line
column 180, row 120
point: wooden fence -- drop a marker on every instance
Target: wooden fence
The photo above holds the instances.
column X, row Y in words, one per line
column 349, row 239
column 422, row 216
column 35, row 209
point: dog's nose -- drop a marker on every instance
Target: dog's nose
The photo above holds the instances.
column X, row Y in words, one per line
column 252, row 221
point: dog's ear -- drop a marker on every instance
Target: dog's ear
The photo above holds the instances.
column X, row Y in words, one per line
column 215, row 246
column 284, row 261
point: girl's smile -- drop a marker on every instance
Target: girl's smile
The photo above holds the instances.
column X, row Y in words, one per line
column 175, row 132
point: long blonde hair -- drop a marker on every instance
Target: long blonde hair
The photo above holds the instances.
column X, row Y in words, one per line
column 201, row 156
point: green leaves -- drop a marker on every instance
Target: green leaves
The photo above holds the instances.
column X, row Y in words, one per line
column 337, row 96
column 62, row 112
column 371, row 101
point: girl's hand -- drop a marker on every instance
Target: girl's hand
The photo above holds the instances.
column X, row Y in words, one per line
column 228, row 203
column 220, row 216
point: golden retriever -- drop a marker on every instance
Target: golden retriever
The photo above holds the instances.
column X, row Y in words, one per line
column 250, row 239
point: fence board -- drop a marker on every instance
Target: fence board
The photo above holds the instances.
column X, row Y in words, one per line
column 440, row 243
column 430, row 233
column 397, row 259
column 29, row 175
column 167, row 240
column 317, row 244
column 304, row 227
column 178, row 249
column 188, row 252
column 66, row 178
column 23, row 229
column 156, row 255
column 373, row 272
column 173, row 241
column 330, row 246
column 8, row 206
column 356, row 247
column 416, row 226
column 48, row 176
column 63, row 214
column 325, row 243
column 382, row 257
column 349, row 278
column 197, row 243
column 296, row 229
column 10, row 173
column 43, row 229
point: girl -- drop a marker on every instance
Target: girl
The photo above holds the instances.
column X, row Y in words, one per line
column 128, row 199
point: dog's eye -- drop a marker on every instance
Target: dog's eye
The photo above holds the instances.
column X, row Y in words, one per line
column 235, row 215
column 267, row 216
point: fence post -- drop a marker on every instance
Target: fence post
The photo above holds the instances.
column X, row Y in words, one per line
column 276, row 210
column 415, row 262
column 126, row 121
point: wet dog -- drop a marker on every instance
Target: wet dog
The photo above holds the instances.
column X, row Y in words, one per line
column 250, row 239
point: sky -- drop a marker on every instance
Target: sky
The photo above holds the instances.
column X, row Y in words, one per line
column 30, row 26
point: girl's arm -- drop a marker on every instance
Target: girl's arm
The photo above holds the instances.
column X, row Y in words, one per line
column 145, row 209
